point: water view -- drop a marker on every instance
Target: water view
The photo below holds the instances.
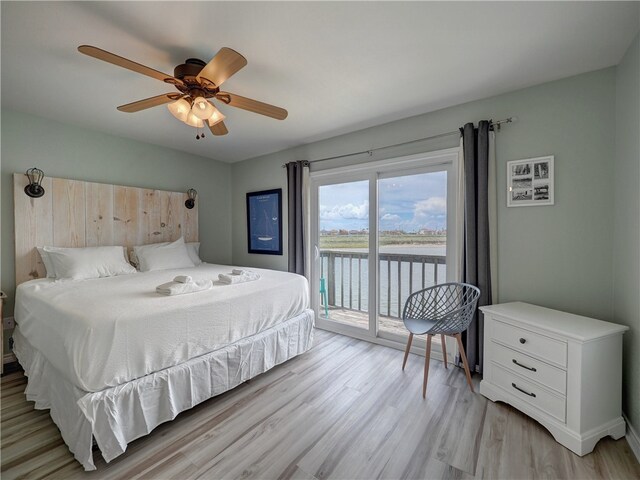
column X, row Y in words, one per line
column 351, row 273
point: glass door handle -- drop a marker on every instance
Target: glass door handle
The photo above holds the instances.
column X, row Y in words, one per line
column 317, row 252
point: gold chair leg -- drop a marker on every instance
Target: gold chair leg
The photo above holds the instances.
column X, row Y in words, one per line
column 464, row 361
column 406, row 352
column 444, row 349
column 426, row 367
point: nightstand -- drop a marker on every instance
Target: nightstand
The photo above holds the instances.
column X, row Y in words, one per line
column 563, row 370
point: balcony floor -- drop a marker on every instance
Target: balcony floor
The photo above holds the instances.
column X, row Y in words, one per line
column 361, row 319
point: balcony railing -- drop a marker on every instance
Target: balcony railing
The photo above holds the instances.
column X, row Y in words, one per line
column 400, row 274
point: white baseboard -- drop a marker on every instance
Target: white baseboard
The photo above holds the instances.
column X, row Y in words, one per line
column 633, row 439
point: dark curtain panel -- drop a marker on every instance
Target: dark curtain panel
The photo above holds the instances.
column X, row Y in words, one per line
column 295, row 173
column 476, row 265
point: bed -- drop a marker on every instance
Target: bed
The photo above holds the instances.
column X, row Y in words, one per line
column 112, row 359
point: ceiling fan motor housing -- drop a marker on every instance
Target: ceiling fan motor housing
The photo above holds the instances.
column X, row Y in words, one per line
column 187, row 72
column 190, row 68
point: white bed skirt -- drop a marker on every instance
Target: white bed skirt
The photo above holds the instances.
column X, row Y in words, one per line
column 118, row 415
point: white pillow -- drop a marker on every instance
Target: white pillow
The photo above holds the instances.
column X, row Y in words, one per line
column 163, row 256
column 47, row 263
column 193, row 249
column 88, row 262
column 133, row 257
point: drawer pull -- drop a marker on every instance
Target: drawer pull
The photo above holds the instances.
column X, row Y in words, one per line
column 522, row 340
column 523, row 391
column 531, row 369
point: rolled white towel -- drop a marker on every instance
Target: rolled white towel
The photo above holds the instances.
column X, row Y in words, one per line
column 233, row 279
column 238, row 271
column 177, row 288
column 183, row 279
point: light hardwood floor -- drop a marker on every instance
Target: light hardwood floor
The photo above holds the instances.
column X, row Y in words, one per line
column 343, row 410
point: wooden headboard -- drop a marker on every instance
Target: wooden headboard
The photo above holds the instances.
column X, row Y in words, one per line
column 73, row 213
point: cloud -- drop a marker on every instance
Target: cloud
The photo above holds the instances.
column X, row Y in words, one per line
column 389, row 217
column 429, row 208
column 347, row 212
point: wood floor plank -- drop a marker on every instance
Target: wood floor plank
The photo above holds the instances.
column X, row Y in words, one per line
column 14, row 377
column 28, row 449
column 492, row 442
column 460, row 441
column 296, row 435
column 345, row 409
column 15, row 388
column 175, row 467
column 41, row 466
column 29, row 426
column 280, row 460
column 297, row 473
column 275, row 408
column 9, row 423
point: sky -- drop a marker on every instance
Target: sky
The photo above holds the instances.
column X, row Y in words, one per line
column 407, row 203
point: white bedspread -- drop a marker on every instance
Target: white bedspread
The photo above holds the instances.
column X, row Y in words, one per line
column 104, row 332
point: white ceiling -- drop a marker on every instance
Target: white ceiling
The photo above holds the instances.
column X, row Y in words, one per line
column 337, row 67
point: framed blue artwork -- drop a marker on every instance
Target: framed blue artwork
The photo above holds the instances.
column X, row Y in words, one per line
column 264, row 222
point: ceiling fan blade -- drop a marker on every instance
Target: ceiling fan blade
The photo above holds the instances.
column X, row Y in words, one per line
column 105, row 56
column 218, row 129
column 149, row 102
column 222, row 66
column 252, row 105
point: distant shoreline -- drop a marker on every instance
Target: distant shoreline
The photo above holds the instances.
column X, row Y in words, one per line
column 331, row 242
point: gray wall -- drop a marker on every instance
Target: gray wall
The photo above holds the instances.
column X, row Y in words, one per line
column 66, row 151
column 559, row 256
column 626, row 244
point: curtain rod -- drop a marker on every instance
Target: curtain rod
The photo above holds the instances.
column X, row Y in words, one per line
column 370, row 151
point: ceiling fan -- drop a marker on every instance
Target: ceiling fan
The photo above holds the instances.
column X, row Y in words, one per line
column 196, row 82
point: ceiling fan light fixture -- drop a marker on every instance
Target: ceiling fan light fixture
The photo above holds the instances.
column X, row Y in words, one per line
column 202, row 108
column 194, row 121
column 216, row 117
column 180, row 109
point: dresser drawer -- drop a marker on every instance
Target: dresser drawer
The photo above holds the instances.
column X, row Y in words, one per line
column 529, row 392
column 529, row 367
column 531, row 343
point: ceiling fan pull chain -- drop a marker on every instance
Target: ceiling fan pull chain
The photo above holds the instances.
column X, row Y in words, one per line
column 199, row 134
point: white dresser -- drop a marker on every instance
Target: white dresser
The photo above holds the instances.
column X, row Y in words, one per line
column 563, row 370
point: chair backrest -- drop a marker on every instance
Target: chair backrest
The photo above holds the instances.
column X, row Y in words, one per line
column 451, row 305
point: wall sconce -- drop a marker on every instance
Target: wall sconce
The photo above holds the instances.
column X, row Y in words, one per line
column 34, row 189
column 191, row 201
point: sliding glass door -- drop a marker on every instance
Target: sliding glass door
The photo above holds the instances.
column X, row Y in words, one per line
column 412, row 240
column 381, row 232
column 344, row 249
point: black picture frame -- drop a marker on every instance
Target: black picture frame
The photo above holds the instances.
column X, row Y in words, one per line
column 264, row 222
